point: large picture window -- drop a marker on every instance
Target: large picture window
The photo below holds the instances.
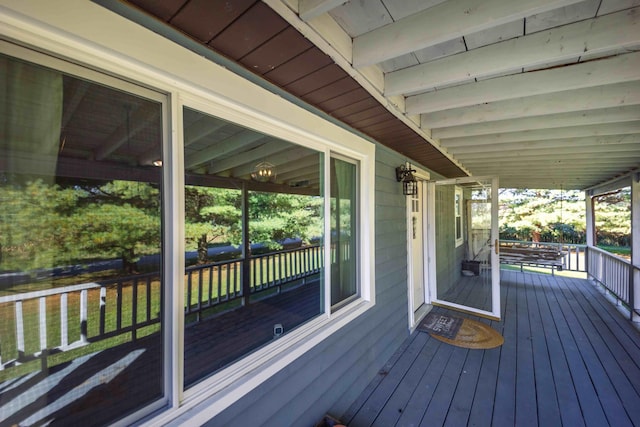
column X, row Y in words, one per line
column 81, row 283
column 254, row 233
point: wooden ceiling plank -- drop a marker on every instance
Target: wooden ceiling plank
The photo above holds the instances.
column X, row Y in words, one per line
column 204, row 19
column 441, row 23
column 581, row 118
column 278, row 50
column 346, row 84
column 604, row 34
column 318, row 79
column 253, row 28
column 619, row 69
column 298, row 67
column 552, row 103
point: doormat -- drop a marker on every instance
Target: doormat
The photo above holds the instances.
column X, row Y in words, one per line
column 441, row 325
column 473, row 334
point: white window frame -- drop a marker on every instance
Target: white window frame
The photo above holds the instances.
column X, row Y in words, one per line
column 458, row 212
column 189, row 79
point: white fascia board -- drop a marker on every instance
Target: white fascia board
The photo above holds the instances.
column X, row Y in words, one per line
column 603, row 34
column 553, row 103
column 618, row 69
column 441, row 23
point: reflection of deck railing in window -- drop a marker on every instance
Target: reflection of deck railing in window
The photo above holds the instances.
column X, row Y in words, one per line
column 36, row 324
column 56, row 320
column 210, row 285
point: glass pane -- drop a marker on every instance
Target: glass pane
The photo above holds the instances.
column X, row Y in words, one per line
column 464, row 272
column 80, row 249
column 247, row 190
column 344, row 216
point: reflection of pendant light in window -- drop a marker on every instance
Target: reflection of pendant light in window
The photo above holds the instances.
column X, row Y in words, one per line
column 264, row 172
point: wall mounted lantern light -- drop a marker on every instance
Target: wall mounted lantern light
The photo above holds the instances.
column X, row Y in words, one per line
column 409, row 184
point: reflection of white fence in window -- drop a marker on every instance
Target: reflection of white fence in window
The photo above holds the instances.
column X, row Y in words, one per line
column 85, row 313
column 61, row 319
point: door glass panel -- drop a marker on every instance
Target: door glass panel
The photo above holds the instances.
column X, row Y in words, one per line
column 464, row 276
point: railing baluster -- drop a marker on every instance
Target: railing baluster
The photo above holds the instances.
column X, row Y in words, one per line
column 219, row 268
column 42, row 318
column 189, row 280
column 103, row 310
column 210, row 287
column 148, row 292
column 19, row 329
column 119, row 307
column 134, row 309
column 64, row 318
column 83, row 316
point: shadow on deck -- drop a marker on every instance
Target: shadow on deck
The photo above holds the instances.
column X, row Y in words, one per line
column 98, row 388
column 570, row 358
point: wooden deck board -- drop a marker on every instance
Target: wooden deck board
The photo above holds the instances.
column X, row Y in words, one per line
column 570, row 358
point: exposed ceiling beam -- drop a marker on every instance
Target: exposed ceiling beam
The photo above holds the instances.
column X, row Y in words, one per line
column 618, row 69
column 128, row 128
column 222, row 148
column 600, row 35
column 260, row 153
column 625, row 128
column 525, row 157
column 287, row 156
column 309, row 9
column 610, row 142
column 582, row 118
column 200, row 129
column 440, row 23
column 546, row 155
column 552, row 103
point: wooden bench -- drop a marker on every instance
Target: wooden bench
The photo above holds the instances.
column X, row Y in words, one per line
column 532, row 255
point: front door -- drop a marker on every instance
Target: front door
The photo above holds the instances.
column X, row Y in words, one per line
column 465, row 272
column 416, row 238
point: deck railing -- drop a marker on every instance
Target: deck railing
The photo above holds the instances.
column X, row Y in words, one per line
column 613, row 273
column 210, row 285
column 574, row 254
column 37, row 324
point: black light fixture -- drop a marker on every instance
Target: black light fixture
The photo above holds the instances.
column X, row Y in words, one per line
column 409, row 184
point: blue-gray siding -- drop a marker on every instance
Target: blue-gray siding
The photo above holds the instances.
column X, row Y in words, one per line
column 334, row 373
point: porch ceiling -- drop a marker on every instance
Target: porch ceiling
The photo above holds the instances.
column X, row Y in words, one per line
column 543, row 94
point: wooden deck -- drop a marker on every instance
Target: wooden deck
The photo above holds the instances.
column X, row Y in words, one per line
column 569, row 359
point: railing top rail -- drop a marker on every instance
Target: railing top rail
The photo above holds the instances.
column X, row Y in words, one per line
column 579, row 245
column 48, row 292
column 609, row 254
column 301, row 248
